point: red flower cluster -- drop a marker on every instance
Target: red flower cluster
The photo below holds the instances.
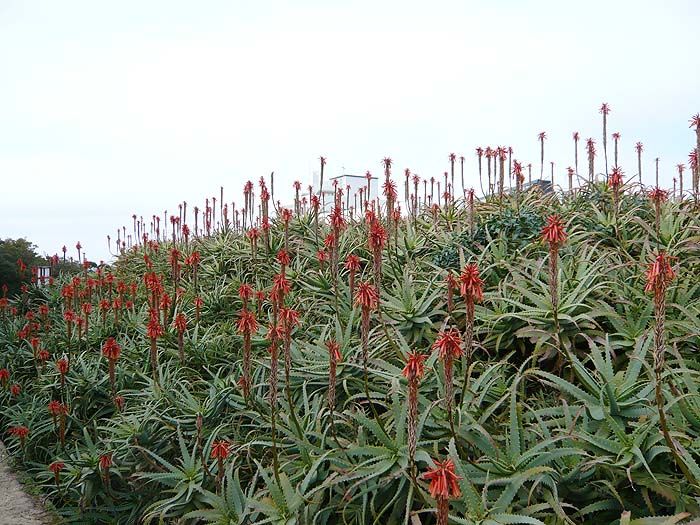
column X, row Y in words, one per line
column 443, row 480
column 180, row 323
column 471, row 285
column 154, row 328
column 615, row 178
column 111, row 350
column 415, row 365
column 352, row 263
column 449, row 344
column 19, row 431
column 553, row 232
column 247, row 324
column 220, row 449
column 659, row 273
column 658, row 196
column 334, row 351
column 105, row 461
column 62, row 366
column 377, row 237
column 366, row 296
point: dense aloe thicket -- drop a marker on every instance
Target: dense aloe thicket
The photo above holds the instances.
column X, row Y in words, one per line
column 554, row 417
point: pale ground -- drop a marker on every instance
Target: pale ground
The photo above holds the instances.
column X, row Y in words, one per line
column 16, row 507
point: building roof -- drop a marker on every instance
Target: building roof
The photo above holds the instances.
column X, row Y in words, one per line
column 352, row 176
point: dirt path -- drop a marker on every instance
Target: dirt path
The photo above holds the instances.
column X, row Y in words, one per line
column 16, row 507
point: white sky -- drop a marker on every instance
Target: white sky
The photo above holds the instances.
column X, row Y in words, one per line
column 114, row 108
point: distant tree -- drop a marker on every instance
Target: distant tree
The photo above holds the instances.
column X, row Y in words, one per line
column 14, row 255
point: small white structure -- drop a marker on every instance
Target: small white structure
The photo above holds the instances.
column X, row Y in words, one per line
column 351, row 186
column 42, row 274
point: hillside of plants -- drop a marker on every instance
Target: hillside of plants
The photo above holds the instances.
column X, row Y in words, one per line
column 530, row 357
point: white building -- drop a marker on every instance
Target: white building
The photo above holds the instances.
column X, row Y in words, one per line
column 350, row 184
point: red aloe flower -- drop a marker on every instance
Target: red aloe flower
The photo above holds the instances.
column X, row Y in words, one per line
column 443, row 486
column 553, row 232
column 322, row 256
column 352, row 265
column 590, row 148
column 180, row 324
column 245, row 292
column 280, row 288
column 56, row 467
column 283, row 258
column 472, row 289
column 413, row 372
column 21, row 432
column 695, row 122
column 220, row 450
column 154, row 331
column 198, row 303
column 111, row 350
column 448, row 344
column 657, row 196
column 63, row 366
column 376, row 239
column 247, row 325
column 471, row 285
column 55, row 408
column 615, row 182
column 4, row 376
column 58, row 413
column 105, row 463
column 659, row 274
column 693, row 160
column 367, row 298
column 449, row 347
column 443, row 480
column 681, row 168
column 389, row 191
column 415, row 365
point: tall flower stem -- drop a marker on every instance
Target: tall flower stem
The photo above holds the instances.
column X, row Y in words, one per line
column 554, row 235
column 605, row 109
column 449, row 347
column 273, row 403
column 367, row 298
column 659, row 275
column 542, row 136
column 639, row 147
column 471, row 289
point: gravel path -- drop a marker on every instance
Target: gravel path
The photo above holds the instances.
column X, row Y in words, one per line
column 16, row 507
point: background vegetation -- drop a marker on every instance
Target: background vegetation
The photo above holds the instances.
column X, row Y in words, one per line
column 556, row 422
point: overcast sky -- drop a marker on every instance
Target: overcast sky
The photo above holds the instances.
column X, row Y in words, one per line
column 114, row 108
